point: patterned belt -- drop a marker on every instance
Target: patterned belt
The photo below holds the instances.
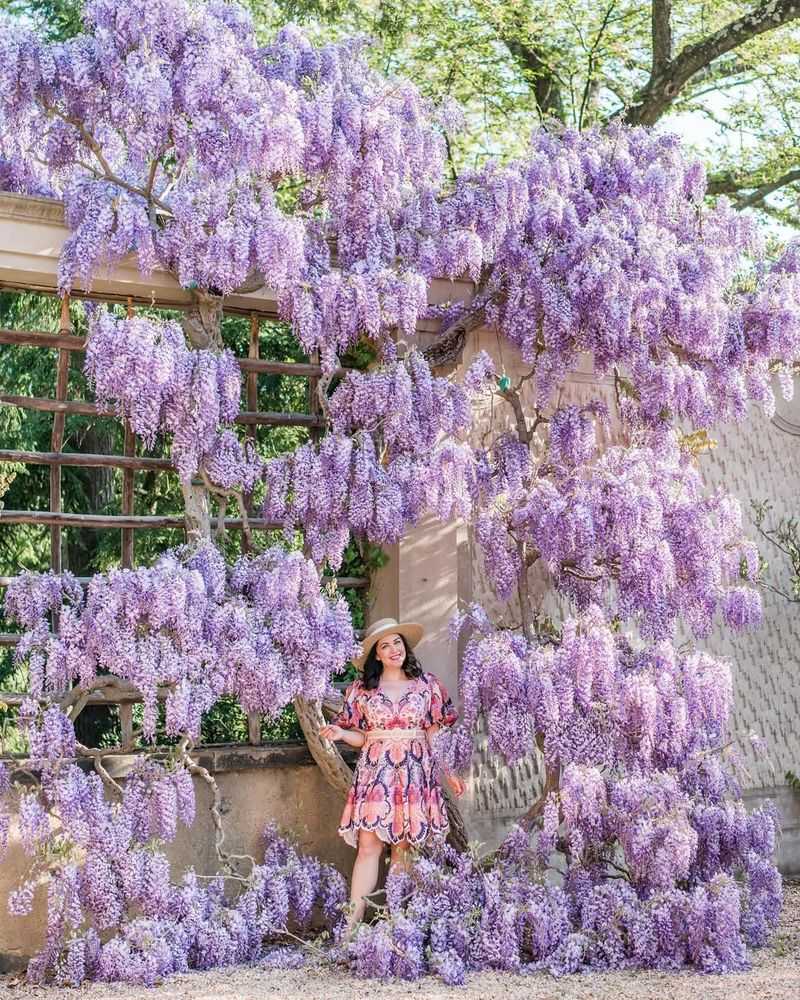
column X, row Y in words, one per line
column 394, row 734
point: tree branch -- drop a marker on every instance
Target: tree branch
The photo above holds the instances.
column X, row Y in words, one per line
column 254, row 281
column 226, row 858
column 536, row 63
column 447, row 347
column 661, row 18
column 664, row 86
column 728, row 184
column 592, row 87
column 767, row 189
column 107, row 172
column 512, row 396
column 534, row 814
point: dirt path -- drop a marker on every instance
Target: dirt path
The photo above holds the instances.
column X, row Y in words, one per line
column 775, row 976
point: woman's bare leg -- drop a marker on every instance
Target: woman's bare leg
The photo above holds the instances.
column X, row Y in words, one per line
column 399, row 855
column 365, row 873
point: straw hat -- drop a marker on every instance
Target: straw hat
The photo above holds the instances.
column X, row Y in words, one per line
column 411, row 632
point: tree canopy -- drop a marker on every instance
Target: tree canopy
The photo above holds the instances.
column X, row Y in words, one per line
column 723, row 74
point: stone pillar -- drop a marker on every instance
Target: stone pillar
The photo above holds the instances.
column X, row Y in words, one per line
column 420, row 583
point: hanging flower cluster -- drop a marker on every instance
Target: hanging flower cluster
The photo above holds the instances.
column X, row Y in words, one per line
column 114, row 912
column 394, row 454
column 171, row 134
column 634, row 737
column 404, row 404
column 191, row 631
column 265, row 634
column 146, row 371
column 635, row 528
column 189, row 177
column 599, row 242
column 449, row 917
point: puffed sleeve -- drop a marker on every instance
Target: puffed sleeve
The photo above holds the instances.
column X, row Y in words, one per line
column 351, row 715
column 442, row 711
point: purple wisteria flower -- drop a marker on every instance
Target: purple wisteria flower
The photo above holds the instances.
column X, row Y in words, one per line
column 171, row 134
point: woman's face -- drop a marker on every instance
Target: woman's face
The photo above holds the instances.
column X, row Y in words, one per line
column 391, row 650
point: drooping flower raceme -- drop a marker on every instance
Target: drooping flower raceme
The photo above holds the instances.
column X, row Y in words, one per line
column 170, row 133
column 265, row 636
column 395, row 452
column 449, row 917
column 636, row 737
column 110, row 874
column 186, row 629
column 147, row 372
column 598, row 242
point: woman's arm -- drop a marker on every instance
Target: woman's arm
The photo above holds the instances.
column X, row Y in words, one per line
column 352, row 737
column 442, row 713
column 349, row 724
column 457, row 786
column 430, row 734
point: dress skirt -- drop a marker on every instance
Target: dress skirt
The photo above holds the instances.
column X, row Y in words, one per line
column 395, row 792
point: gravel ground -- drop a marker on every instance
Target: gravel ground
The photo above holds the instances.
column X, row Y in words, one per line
column 775, row 976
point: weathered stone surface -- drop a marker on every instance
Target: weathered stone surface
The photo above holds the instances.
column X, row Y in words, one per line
column 258, row 784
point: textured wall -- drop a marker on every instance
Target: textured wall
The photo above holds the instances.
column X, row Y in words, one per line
column 761, row 460
column 258, row 784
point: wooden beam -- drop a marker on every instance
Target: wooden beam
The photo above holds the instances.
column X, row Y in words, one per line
column 251, row 385
column 39, row 338
column 356, row 582
column 57, row 406
column 127, row 498
column 252, row 373
column 129, row 448
column 116, row 521
column 57, row 437
column 254, row 729
column 115, row 696
column 352, row 582
column 126, row 723
column 266, row 418
column 81, row 460
column 298, row 368
column 272, row 419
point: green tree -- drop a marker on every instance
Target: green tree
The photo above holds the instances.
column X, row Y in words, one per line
column 722, row 73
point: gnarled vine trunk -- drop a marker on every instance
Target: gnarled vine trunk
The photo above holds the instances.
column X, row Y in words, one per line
column 202, row 326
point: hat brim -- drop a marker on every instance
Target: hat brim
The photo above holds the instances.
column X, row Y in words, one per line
column 412, row 632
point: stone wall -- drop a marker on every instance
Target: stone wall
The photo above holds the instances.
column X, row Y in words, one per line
column 258, row 785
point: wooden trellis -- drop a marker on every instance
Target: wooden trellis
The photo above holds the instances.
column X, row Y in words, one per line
column 127, row 521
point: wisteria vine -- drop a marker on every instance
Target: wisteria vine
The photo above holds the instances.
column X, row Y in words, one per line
column 170, row 133
column 190, row 631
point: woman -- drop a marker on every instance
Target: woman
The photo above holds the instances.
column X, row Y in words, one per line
column 392, row 712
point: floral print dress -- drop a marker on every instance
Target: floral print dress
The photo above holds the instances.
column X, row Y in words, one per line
column 395, row 792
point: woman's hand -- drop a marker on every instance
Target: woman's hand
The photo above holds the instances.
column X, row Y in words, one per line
column 456, row 784
column 332, row 733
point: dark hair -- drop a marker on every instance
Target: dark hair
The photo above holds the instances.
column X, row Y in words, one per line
column 373, row 668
